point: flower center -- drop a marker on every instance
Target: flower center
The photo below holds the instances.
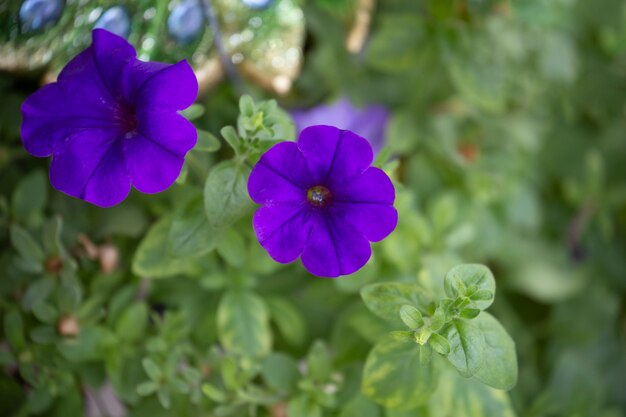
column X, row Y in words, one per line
column 318, row 196
column 127, row 119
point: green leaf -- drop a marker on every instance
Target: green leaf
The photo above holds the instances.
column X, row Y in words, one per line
column 90, row 344
column 499, row 369
column 152, row 369
column 403, row 335
column 395, row 377
column 164, row 398
column 14, row 330
column 288, row 319
column 361, row 406
column 243, row 324
column 440, row 344
column 207, row 142
column 30, row 195
column 246, row 105
column 213, row 393
column 319, row 364
column 152, row 259
column 232, row 248
column 386, row 299
column 131, row 325
column 26, row 246
column 411, row 317
column 39, row 399
column 461, row 397
column 226, row 194
column 394, row 46
column 37, row 292
column 147, row 388
column 193, row 112
column 52, row 236
column 230, row 136
column 468, row 279
column 190, row 233
column 469, row 313
column 467, row 346
column 280, row 372
column 46, row 313
column 303, row 406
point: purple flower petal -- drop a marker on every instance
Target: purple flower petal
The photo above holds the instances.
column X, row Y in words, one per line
column 168, row 129
column 44, row 128
column 322, row 201
column 334, row 247
column 369, row 122
column 334, row 155
column 151, row 166
column 375, row 220
column 174, row 87
column 135, row 74
column 281, row 175
column 373, row 186
column 111, row 55
column 283, row 230
column 110, row 118
column 90, row 166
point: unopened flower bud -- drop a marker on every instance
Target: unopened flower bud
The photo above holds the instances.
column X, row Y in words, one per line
column 68, row 326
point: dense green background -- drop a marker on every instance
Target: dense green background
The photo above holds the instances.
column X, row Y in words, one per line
column 508, row 130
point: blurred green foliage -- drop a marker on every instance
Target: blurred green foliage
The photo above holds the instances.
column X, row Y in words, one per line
column 508, row 135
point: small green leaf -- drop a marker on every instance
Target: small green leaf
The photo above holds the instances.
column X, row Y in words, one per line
column 500, row 367
column 288, row 319
column 303, row 406
column 467, row 280
column 39, row 399
column 243, row 324
column 319, row 362
column 226, row 197
column 37, row 292
column 232, row 248
column 14, row 330
column 403, row 335
column 386, row 299
column 246, row 106
column 440, row 344
column 467, row 345
column 461, row 397
column 207, row 142
column 131, row 325
column 482, row 295
column 470, row 313
column 214, row 393
column 164, row 398
column 190, row 233
column 361, row 406
column 230, row 136
column 411, row 317
column 26, row 246
column 147, row 388
column 193, row 112
column 30, row 195
column 152, row 258
column 152, row 369
column 52, row 236
column 280, row 372
column 90, row 344
column 45, row 312
column 395, row 376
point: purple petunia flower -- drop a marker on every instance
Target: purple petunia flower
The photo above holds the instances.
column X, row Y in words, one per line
column 111, row 121
column 369, row 122
column 322, row 201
